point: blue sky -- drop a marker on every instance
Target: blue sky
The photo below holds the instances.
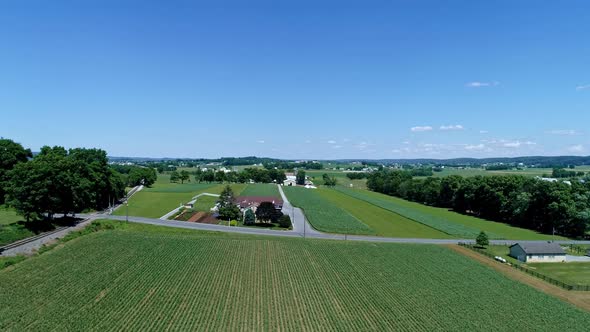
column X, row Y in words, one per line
column 300, row 79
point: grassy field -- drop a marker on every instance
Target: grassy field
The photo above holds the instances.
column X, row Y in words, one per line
column 446, row 221
column 381, row 221
column 205, row 203
column 164, row 196
column 340, row 176
column 261, row 189
column 8, row 216
column 573, row 273
column 147, row 278
column 324, row 215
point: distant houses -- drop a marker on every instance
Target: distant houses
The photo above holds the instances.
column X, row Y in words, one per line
column 545, row 252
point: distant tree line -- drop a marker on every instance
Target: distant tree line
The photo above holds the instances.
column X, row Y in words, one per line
column 57, row 180
column 258, row 175
column 136, row 175
column 563, row 173
column 281, row 164
column 498, row 167
column 517, row 200
column 357, row 175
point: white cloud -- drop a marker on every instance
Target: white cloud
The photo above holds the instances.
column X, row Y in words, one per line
column 583, row 87
column 421, row 128
column 308, row 141
column 452, row 127
column 475, row 147
column 481, row 84
column 564, row 132
column 261, row 141
column 331, row 142
column 337, row 146
column 483, row 131
column 396, row 151
column 406, row 142
column 517, row 144
column 576, row 148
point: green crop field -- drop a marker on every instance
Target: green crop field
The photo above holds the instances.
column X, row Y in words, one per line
column 324, row 215
column 446, row 221
column 143, row 278
column 261, row 189
column 381, row 221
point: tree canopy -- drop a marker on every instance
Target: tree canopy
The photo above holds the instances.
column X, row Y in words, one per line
column 61, row 181
column 11, row 153
column 227, row 206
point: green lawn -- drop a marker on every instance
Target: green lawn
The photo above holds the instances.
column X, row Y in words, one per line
column 142, row 277
column 205, row 203
column 8, row 216
column 450, row 222
column 164, row 197
column 573, row 273
column 383, row 222
column 261, row 189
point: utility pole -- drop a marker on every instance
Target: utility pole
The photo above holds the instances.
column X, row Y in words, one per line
column 304, row 227
column 127, row 211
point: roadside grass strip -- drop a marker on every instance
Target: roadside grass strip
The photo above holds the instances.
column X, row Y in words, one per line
column 145, row 278
column 324, row 215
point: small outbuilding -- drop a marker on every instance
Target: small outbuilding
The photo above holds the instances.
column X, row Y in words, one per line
column 538, row 252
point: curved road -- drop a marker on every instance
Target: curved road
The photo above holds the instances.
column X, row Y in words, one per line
column 302, row 228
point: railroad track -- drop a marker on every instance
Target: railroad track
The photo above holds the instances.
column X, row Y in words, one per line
column 31, row 239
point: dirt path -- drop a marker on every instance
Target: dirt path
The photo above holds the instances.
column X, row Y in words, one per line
column 579, row 299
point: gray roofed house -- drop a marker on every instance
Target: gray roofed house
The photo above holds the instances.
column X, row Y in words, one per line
column 537, row 252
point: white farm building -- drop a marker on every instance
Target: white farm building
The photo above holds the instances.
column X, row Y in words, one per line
column 535, row 252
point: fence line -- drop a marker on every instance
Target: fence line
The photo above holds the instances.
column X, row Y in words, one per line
column 531, row 272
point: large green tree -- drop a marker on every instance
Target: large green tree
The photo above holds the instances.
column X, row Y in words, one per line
column 11, row 153
column 58, row 181
column 300, row 177
column 227, row 206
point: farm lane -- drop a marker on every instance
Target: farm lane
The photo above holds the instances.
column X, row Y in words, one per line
column 300, row 223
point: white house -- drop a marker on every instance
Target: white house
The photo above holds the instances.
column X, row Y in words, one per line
column 290, row 182
column 535, row 252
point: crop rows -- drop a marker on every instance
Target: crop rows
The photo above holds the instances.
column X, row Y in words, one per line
column 436, row 222
column 131, row 280
column 324, row 215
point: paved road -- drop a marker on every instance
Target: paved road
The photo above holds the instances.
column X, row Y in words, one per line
column 302, row 228
column 29, row 248
column 293, row 233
